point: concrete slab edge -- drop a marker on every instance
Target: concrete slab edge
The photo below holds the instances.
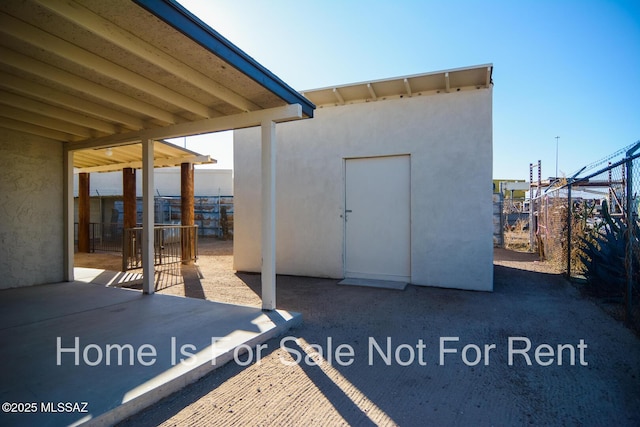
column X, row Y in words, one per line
column 151, row 397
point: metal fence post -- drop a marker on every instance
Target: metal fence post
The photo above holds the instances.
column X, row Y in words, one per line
column 629, row 242
column 531, row 244
column 630, row 228
column 125, row 248
column 569, row 219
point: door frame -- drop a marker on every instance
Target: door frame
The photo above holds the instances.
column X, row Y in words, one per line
column 344, row 206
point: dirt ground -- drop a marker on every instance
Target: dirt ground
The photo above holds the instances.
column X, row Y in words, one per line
column 287, row 387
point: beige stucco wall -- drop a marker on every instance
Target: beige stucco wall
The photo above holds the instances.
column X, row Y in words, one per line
column 31, row 202
column 449, row 138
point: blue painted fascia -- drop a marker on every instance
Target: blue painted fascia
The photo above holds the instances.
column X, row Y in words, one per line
column 191, row 26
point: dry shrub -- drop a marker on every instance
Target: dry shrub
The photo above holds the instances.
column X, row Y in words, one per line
column 516, row 237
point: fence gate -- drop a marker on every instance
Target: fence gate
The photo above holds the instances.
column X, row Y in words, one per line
column 173, row 244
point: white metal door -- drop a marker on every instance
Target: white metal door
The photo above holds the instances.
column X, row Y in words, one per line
column 377, row 218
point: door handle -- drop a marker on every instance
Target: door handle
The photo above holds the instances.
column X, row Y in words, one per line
column 348, row 211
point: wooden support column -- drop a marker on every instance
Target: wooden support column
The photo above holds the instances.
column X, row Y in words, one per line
column 84, row 212
column 148, row 254
column 268, row 215
column 187, row 207
column 129, row 197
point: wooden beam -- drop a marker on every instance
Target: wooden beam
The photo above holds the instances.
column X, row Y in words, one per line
column 158, row 163
column 149, row 53
column 447, row 85
column 338, row 95
column 236, row 121
column 407, row 86
column 372, row 92
column 84, row 212
column 56, row 97
column 129, row 204
column 45, row 122
column 32, row 129
column 59, row 47
column 62, row 114
column 64, row 78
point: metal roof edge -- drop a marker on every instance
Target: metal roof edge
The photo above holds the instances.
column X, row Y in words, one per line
column 390, row 79
column 193, row 27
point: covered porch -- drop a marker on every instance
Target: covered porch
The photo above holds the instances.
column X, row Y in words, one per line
column 88, row 77
column 173, row 243
column 92, row 77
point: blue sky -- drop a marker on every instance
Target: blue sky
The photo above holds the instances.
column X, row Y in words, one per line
column 561, row 68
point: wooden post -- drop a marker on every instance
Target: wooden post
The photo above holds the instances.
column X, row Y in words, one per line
column 129, row 197
column 187, row 210
column 84, row 213
column 130, row 215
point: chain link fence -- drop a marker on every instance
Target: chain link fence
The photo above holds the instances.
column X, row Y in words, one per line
column 589, row 228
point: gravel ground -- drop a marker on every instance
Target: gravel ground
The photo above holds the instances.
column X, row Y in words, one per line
column 530, row 300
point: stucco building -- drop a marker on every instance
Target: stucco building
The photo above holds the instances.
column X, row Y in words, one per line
column 390, row 181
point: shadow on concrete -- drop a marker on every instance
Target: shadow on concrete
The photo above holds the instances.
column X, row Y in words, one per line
column 102, row 330
column 540, row 306
column 192, row 277
column 105, row 268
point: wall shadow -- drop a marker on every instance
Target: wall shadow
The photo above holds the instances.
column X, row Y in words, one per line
column 540, row 305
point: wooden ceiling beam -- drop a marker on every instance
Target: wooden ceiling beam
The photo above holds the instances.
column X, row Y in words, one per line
column 56, row 97
column 34, row 67
column 90, row 61
column 110, row 32
column 53, row 112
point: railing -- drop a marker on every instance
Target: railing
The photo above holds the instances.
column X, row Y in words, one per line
column 173, row 245
column 103, row 236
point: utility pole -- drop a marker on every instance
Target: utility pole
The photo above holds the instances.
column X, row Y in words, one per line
column 557, row 138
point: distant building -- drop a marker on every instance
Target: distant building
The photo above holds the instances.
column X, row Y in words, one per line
column 511, row 188
column 208, row 182
column 213, row 190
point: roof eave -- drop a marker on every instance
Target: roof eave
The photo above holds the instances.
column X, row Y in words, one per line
column 445, row 81
column 191, row 26
column 451, row 70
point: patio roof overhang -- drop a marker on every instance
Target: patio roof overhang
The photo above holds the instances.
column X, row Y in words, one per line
column 86, row 71
column 113, row 159
column 96, row 74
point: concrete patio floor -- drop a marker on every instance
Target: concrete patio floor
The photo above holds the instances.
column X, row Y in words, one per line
column 159, row 344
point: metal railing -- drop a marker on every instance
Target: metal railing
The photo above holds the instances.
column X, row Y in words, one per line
column 173, row 245
column 103, row 236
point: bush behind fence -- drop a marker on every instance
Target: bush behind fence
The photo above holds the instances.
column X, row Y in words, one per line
column 589, row 227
